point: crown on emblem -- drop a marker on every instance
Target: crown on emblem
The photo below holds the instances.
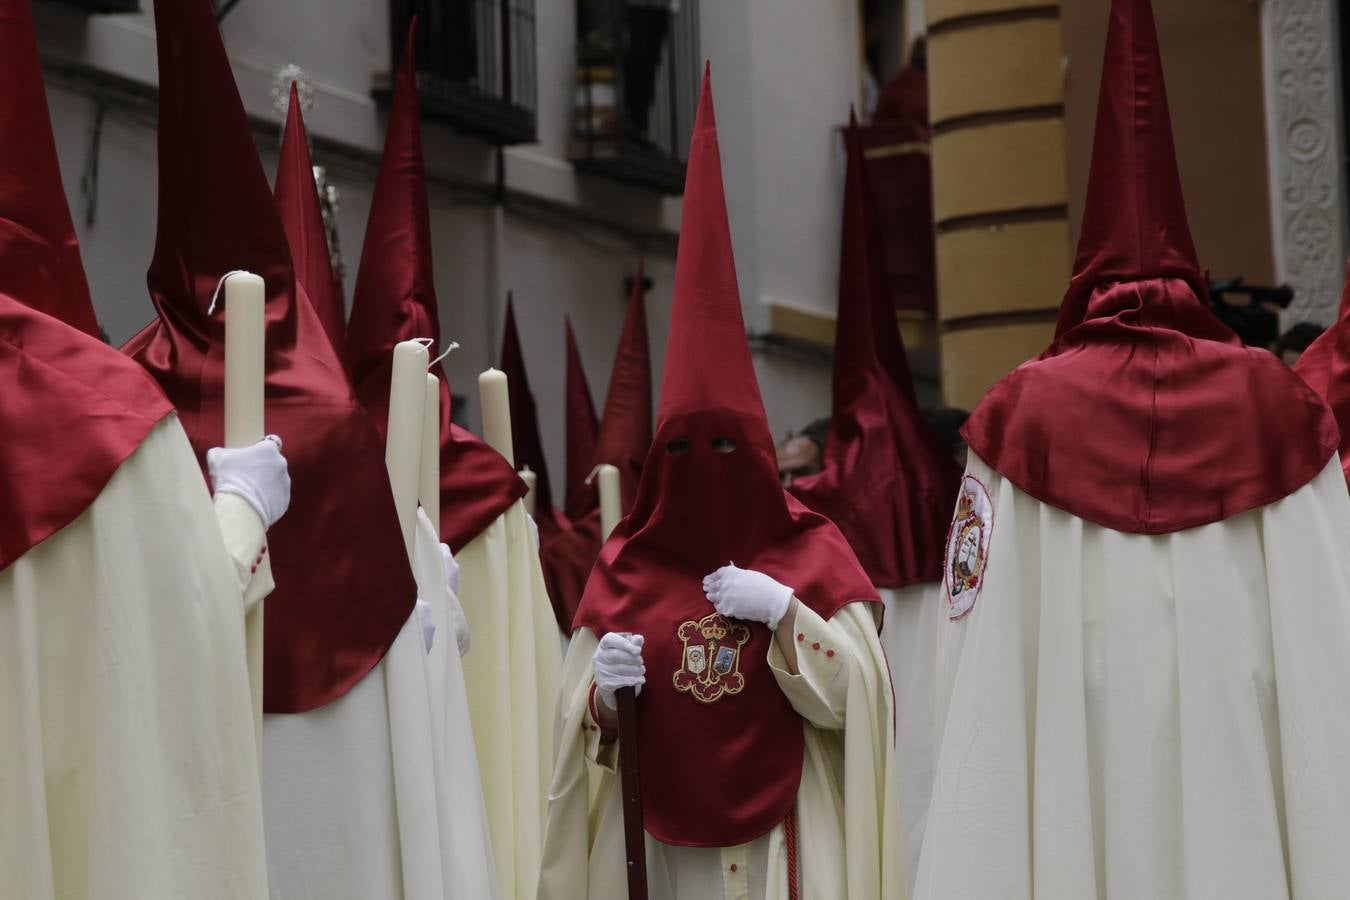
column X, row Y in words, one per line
column 965, row 504
column 713, row 628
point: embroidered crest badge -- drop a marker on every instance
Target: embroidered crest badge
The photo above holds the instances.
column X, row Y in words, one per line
column 968, row 547
column 710, row 664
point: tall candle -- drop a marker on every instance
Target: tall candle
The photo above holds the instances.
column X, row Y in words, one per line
column 403, row 443
column 611, row 509
column 532, row 483
column 493, row 394
column 429, row 490
column 244, row 359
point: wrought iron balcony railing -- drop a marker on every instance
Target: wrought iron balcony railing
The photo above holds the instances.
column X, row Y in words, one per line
column 475, row 64
column 636, row 90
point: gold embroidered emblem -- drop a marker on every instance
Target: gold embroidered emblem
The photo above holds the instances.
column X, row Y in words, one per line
column 968, row 547
column 711, row 661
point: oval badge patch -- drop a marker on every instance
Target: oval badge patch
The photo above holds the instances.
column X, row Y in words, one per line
column 968, row 547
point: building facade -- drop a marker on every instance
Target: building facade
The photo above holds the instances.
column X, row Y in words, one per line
column 544, row 185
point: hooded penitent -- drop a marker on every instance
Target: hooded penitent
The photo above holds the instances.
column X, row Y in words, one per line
column 344, row 587
column 297, row 199
column 626, row 424
column 886, row 482
column 81, row 407
column 1146, row 415
column 710, row 494
column 395, row 300
column 583, row 427
column 525, row 439
column 1325, row 366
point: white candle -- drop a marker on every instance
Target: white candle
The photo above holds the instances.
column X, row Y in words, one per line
column 429, row 491
column 531, row 496
column 244, row 359
column 403, row 443
column 496, row 400
column 611, row 509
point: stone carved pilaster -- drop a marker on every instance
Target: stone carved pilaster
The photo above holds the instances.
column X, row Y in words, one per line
column 1304, row 134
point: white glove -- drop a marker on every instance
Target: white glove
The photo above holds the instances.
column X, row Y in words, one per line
column 747, row 594
column 618, row 663
column 451, row 569
column 424, row 621
column 258, row 474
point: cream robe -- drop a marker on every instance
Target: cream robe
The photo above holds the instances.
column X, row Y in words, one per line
column 466, row 847
column 512, row 679
column 909, row 635
column 1148, row 717
column 128, row 760
column 357, row 793
column 848, row 833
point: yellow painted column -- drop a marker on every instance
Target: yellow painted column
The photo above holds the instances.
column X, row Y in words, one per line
column 1000, row 185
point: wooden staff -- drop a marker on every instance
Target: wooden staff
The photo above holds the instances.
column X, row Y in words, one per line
column 634, row 835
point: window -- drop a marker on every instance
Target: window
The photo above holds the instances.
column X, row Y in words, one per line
column 636, row 90
column 475, row 64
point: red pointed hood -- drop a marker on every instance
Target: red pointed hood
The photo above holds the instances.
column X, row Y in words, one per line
column 709, row 493
column 1134, row 218
column 39, row 255
column 1325, row 366
column 626, row 428
column 80, row 406
column 1146, row 415
column 887, row 482
column 583, row 428
column 344, row 587
column 525, row 439
column 297, row 199
column 395, row 300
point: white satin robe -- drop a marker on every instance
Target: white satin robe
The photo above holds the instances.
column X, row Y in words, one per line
column 511, row 675
column 376, row 794
column 1127, row 716
column 849, row 838
column 128, row 753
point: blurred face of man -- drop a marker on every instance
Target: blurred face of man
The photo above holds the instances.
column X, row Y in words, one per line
column 798, row 456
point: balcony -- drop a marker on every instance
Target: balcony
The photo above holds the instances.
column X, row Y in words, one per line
column 475, row 64
column 636, row 90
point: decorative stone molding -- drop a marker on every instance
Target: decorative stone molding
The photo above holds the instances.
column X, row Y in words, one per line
column 1304, row 133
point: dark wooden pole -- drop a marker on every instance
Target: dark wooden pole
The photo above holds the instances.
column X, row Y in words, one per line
column 634, row 835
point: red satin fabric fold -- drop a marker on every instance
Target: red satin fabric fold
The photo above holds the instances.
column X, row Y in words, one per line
column 886, row 480
column 1150, row 418
column 297, row 199
column 583, row 428
column 1325, row 367
column 395, row 300
column 344, row 586
column 72, row 410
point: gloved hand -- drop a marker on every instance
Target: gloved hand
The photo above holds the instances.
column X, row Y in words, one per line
column 258, row 474
column 746, row 594
column 451, row 569
column 424, row 621
column 618, row 663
